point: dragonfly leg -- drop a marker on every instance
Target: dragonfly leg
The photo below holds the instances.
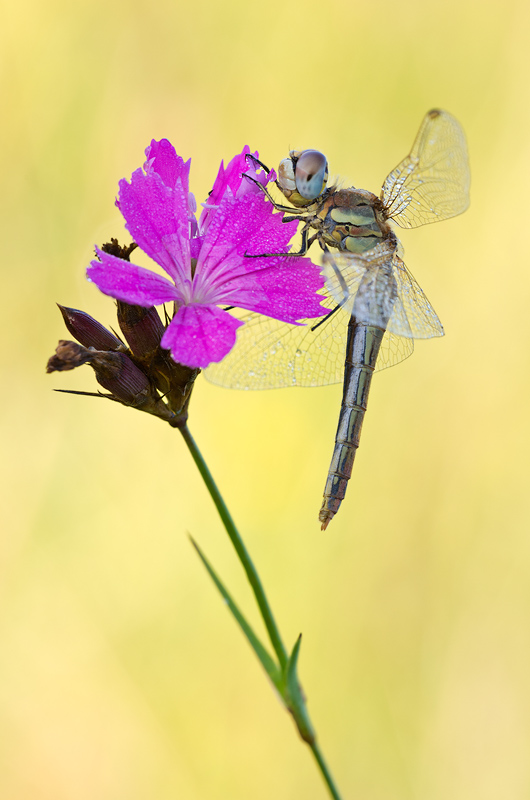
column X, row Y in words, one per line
column 254, row 160
column 277, row 206
column 306, row 244
column 325, row 319
column 292, row 218
column 265, row 168
column 338, row 274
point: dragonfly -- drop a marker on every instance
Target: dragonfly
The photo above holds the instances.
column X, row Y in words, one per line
column 375, row 307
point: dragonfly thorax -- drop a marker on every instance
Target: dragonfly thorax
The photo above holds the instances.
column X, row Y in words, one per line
column 351, row 220
column 302, row 176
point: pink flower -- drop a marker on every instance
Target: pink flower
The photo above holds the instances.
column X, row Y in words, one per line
column 207, row 265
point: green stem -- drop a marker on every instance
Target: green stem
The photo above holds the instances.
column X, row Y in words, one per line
column 294, row 699
column 240, row 548
column 315, row 749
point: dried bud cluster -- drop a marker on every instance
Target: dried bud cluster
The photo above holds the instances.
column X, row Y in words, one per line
column 139, row 374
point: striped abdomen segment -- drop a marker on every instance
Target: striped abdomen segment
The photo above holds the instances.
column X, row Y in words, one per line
column 362, row 350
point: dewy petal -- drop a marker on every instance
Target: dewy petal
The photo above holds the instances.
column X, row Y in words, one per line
column 162, row 158
column 199, row 335
column 287, row 292
column 157, row 218
column 241, row 225
column 231, row 179
column 130, row 283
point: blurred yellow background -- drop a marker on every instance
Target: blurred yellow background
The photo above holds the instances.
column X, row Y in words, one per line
column 122, row 676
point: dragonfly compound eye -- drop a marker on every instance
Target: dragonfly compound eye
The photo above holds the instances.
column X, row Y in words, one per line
column 311, row 174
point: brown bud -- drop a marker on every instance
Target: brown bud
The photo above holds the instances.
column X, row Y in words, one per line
column 142, row 329
column 88, row 330
column 128, row 384
column 68, row 355
column 117, row 373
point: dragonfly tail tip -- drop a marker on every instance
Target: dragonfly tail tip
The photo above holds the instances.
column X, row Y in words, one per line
column 325, row 518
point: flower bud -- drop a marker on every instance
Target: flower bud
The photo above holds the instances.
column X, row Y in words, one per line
column 141, row 327
column 88, row 330
column 128, row 384
column 117, row 373
column 68, row 355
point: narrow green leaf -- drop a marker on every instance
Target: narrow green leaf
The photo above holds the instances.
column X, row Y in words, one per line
column 295, row 698
column 267, row 662
column 291, row 677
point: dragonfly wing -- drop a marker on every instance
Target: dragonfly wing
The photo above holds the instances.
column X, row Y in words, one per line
column 412, row 314
column 363, row 283
column 343, row 273
column 365, row 286
column 432, row 182
column 394, row 349
column 270, row 354
column 375, row 287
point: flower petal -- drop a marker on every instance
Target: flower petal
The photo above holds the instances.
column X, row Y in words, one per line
column 157, row 219
column 162, row 158
column 231, row 179
column 241, row 225
column 287, row 292
column 200, row 334
column 130, row 283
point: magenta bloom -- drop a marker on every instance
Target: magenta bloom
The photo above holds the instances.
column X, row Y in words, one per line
column 206, row 262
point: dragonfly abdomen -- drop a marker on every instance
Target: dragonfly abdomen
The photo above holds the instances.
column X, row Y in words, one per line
column 362, row 350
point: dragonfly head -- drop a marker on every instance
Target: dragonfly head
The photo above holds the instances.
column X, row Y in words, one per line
column 302, row 176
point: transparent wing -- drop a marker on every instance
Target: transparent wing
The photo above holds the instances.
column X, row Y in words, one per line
column 377, row 288
column 412, row 314
column 365, row 286
column 394, row 349
column 270, row 354
column 432, row 182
